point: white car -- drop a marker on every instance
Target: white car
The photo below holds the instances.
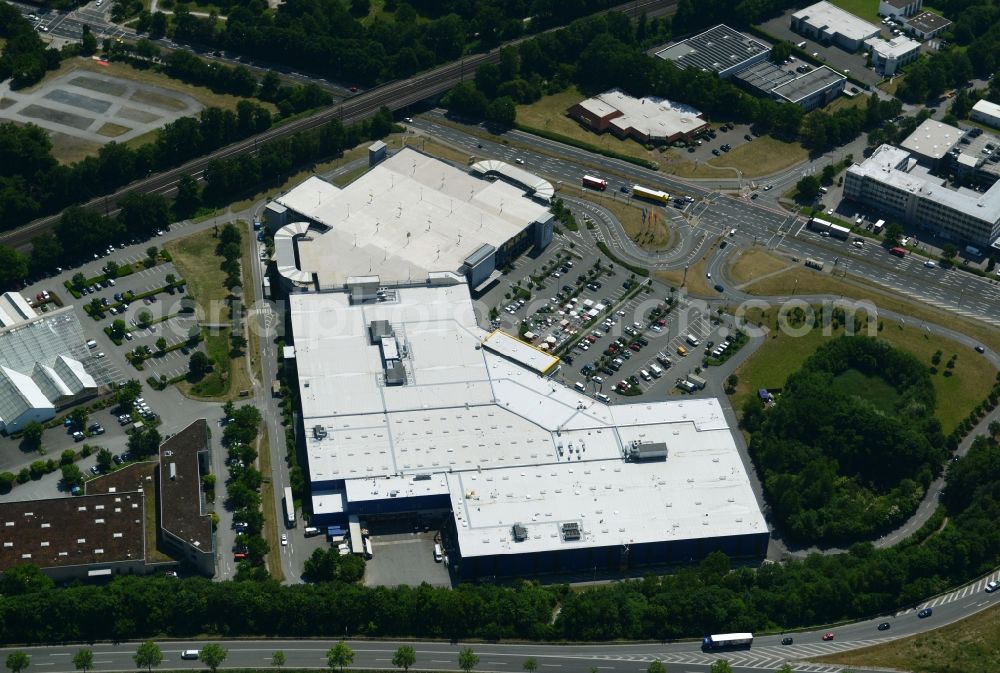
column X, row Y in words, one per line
column 284, row 540
column 992, row 586
column 520, row 161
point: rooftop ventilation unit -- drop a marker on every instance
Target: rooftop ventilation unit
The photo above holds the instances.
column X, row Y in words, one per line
column 570, row 531
column 319, row 432
column 421, row 477
column 519, row 532
column 640, row 451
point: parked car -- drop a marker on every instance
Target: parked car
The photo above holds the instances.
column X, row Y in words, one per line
column 992, row 586
column 787, row 640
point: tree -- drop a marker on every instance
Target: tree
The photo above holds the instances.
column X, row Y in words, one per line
column 278, row 657
column 502, row 112
column 105, row 460
column 948, row 251
column 188, row 198
column 656, row 667
column 127, row 394
column 161, row 344
column 720, row 666
column 17, row 661
column 807, row 188
column 79, row 416
column 530, row 665
column 404, row 657
column 339, row 656
column 151, row 253
column 826, row 177
column 32, row 434
column 88, row 43
column 199, row 365
column 83, row 660
column 118, row 329
column 213, row 655
column 144, row 318
column 467, row 659
column 148, row 655
column 144, row 441
column 893, row 234
column 13, row 267
column 170, row 279
column 72, row 476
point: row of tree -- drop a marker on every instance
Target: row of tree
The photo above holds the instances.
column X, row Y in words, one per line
column 25, row 59
column 243, row 486
column 711, row 597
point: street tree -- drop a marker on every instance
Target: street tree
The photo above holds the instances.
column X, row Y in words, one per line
column 339, row 656
column 144, row 318
column 213, row 655
column 148, row 655
column 278, row 658
column 105, row 461
column 161, row 344
column 807, row 188
column 199, row 365
column 83, row 660
column 467, row 659
column 404, row 657
column 948, row 251
column 530, row 665
column 79, row 416
column 656, row 667
column 17, row 661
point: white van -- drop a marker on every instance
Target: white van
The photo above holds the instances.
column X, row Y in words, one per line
column 438, row 554
column 190, row 654
column 645, row 375
column 91, row 344
column 579, row 386
column 690, row 338
column 604, row 398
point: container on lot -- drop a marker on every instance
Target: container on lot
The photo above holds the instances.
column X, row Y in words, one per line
column 696, row 381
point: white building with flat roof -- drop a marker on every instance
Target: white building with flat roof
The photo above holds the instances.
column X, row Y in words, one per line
column 828, row 24
column 645, row 119
column 407, row 218
column 891, row 181
column 408, row 405
column 888, row 56
column 932, row 140
column 987, row 113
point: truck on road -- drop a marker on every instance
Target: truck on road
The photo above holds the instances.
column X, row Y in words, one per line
column 595, row 183
column 814, row 264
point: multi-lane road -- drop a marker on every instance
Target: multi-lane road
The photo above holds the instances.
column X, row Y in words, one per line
column 767, row 652
column 717, row 213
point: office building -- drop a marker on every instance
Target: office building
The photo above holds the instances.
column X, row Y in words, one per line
column 987, row 113
column 185, row 523
column 888, row 56
column 899, row 9
column 927, row 25
column 830, row 25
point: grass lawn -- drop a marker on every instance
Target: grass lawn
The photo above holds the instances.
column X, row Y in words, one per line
column 697, row 284
column 866, row 9
column 249, row 256
column 782, row 354
column 808, row 281
column 112, row 130
column 871, row 388
column 271, row 517
column 67, row 149
column 195, row 258
column 967, row 646
column 217, row 382
column 754, row 263
column 652, row 232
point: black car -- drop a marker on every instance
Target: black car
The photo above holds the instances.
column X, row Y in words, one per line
column 884, row 626
column 623, row 189
column 926, row 612
column 719, row 288
column 748, row 137
column 980, row 349
column 787, row 640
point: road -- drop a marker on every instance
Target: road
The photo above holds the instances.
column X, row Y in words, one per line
column 767, row 652
column 716, row 214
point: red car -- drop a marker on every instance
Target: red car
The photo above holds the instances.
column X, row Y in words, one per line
column 636, row 347
column 828, row 636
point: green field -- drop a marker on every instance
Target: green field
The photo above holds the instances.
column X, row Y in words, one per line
column 870, row 388
column 866, row 9
column 971, row 645
column 783, row 354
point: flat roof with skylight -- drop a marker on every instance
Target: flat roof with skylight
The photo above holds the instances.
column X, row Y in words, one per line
column 719, row 49
column 932, row 139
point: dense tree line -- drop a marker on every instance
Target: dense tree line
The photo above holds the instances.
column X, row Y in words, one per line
column 710, row 597
column 600, row 53
column 25, row 59
column 836, row 466
column 327, row 37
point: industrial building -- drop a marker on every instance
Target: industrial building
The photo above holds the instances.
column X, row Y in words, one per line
column 647, row 120
column 410, row 217
column 45, row 364
column 888, row 56
column 719, row 49
column 898, row 9
column 927, row 25
column 809, row 90
column 409, row 406
column 893, row 181
column 830, row 25
column 185, row 523
column 103, row 533
column 986, row 112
